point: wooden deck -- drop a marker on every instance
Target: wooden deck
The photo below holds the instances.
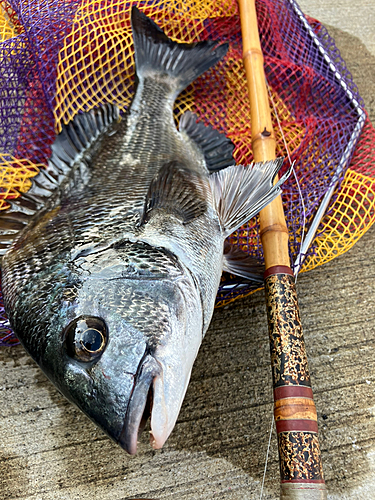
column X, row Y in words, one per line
column 49, row 450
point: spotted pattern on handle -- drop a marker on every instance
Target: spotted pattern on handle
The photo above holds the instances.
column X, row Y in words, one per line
column 301, row 456
column 288, row 352
column 295, row 413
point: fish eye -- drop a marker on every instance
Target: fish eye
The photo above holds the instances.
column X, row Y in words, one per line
column 86, row 338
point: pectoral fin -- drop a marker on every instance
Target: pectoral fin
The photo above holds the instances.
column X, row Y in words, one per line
column 241, row 192
column 177, row 190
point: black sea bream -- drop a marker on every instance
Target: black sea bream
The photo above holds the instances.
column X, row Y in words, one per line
column 113, row 258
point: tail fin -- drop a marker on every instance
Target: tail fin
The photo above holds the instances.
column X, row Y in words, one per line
column 156, row 53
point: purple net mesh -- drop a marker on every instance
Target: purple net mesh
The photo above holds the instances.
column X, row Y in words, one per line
column 28, row 65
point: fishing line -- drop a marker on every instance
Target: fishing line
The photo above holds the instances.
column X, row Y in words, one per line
column 300, row 255
column 268, row 451
column 294, row 174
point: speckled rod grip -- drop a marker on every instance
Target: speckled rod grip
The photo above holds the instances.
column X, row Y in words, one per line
column 294, row 409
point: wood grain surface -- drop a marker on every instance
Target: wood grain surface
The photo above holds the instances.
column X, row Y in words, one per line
column 49, row 450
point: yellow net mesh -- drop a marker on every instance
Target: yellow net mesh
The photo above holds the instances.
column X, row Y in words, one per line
column 351, row 218
column 100, row 49
column 354, row 210
column 6, row 30
column 15, row 177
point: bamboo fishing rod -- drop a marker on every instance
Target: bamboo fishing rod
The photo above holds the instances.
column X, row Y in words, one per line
column 294, row 409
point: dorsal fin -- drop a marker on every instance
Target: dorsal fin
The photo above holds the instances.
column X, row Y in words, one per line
column 178, row 190
column 216, row 147
column 71, row 145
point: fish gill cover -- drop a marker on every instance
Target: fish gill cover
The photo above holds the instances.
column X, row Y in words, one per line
column 59, row 57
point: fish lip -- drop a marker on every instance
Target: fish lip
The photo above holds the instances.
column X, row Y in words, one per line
column 148, row 370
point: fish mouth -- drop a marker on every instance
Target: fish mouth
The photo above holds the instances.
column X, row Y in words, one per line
column 140, row 403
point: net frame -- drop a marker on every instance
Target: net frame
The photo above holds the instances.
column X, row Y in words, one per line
column 348, row 152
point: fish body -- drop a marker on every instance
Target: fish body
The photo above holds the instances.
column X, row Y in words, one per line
column 114, row 257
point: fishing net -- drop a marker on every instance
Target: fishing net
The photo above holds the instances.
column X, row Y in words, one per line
column 60, row 57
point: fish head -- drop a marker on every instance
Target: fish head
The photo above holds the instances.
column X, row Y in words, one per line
column 123, row 345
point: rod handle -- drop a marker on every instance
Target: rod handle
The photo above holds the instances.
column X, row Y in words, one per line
column 301, row 470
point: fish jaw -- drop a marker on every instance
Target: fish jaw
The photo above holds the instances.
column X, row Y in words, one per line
column 166, row 408
column 162, row 388
column 176, row 356
column 148, row 370
column 163, row 375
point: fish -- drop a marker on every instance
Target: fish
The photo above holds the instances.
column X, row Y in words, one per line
column 112, row 260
